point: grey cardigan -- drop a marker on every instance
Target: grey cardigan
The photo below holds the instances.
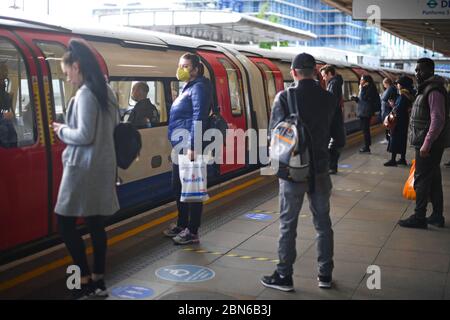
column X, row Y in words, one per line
column 89, row 162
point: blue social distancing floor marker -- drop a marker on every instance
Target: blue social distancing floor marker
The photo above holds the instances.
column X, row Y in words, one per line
column 132, row 292
column 258, row 216
column 345, row 166
column 185, row 273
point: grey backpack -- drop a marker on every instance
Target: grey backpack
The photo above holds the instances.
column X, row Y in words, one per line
column 290, row 153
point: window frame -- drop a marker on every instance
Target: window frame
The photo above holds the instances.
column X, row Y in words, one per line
column 30, row 92
column 166, row 88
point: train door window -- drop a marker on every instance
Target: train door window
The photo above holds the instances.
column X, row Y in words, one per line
column 156, row 95
column 175, row 89
column 62, row 90
column 269, row 81
column 234, row 87
column 17, row 114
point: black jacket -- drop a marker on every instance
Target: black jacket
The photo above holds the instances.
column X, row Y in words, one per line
column 143, row 114
column 316, row 108
column 337, row 132
column 389, row 93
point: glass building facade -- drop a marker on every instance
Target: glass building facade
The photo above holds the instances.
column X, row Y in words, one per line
column 333, row 28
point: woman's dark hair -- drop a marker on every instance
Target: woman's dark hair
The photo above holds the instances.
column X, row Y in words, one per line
column 195, row 60
column 79, row 51
column 367, row 78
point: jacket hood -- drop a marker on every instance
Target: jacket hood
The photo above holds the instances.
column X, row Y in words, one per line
column 438, row 80
column 408, row 94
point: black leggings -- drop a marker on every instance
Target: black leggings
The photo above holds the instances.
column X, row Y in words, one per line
column 189, row 213
column 365, row 127
column 75, row 244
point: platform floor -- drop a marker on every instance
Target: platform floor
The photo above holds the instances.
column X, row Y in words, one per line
column 366, row 204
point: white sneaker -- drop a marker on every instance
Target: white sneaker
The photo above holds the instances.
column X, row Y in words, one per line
column 385, row 141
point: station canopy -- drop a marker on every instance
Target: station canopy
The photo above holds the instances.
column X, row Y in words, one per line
column 425, row 23
column 221, row 26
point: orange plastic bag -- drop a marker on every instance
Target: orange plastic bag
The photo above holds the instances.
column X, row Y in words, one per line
column 408, row 190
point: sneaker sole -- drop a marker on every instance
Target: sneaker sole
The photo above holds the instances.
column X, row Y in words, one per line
column 186, row 242
column 282, row 288
column 324, row 285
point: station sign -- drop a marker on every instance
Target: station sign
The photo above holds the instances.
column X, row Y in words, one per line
column 401, row 9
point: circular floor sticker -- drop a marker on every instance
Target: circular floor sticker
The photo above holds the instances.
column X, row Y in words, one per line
column 185, row 273
column 258, row 216
column 131, row 292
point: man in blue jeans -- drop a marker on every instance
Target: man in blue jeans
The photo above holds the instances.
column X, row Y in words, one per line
column 316, row 107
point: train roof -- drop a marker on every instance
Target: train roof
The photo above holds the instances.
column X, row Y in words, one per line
column 141, row 37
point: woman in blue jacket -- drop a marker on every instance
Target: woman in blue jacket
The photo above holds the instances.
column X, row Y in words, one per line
column 189, row 111
column 399, row 134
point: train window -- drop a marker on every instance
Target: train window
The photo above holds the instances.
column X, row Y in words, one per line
column 17, row 115
column 269, row 82
column 234, row 87
column 156, row 95
column 62, row 90
column 175, row 89
column 354, row 88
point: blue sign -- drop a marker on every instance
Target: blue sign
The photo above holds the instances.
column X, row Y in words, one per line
column 131, row 292
column 346, row 166
column 258, row 216
column 185, row 273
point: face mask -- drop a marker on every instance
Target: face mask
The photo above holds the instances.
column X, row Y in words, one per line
column 183, row 74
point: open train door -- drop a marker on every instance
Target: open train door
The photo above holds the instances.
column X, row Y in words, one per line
column 24, row 147
column 230, row 99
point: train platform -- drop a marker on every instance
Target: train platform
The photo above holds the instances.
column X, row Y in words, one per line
column 239, row 238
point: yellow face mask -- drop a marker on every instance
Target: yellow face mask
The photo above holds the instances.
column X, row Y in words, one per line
column 183, row 74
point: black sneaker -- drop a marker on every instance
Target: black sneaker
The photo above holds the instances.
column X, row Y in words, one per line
column 324, row 282
column 390, row 163
column 402, row 162
column 436, row 220
column 172, row 231
column 86, row 290
column 364, row 150
column 447, row 165
column 413, row 222
column 100, row 288
column 332, row 171
column 276, row 282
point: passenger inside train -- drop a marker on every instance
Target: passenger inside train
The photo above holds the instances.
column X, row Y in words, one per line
column 144, row 114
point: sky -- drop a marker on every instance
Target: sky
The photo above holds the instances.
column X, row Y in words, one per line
column 69, row 8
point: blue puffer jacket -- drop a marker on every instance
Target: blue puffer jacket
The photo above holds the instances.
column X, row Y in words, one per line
column 193, row 104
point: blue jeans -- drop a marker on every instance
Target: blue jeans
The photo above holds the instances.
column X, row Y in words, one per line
column 291, row 200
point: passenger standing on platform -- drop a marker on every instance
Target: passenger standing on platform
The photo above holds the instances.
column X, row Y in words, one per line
column 190, row 108
column 389, row 94
column 144, row 113
column 334, row 83
column 399, row 133
column 88, row 185
column 428, row 119
column 368, row 100
column 316, row 108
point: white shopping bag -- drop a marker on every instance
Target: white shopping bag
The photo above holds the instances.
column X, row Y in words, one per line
column 193, row 179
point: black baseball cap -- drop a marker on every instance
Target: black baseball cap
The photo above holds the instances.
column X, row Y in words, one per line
column 405, row 81
column 303, row 61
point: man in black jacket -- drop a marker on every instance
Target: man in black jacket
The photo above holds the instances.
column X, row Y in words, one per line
column 334, row 83
column 144, row 113
column 316, row 108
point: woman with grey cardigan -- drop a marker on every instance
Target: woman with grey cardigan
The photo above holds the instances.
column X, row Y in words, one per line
column 87, row 187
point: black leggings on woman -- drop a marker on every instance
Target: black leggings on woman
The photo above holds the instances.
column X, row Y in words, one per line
column 75, row 244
